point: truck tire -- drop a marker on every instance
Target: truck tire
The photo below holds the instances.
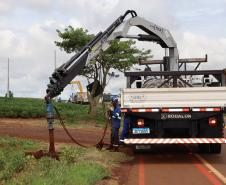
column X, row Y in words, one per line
column 210, row 148
column 204, row 148
column 215, row 148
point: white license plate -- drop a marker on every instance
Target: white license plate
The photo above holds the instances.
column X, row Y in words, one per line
column 141, row 130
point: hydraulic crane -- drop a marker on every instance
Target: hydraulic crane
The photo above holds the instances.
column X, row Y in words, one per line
column 63, row 75
column 80, row 93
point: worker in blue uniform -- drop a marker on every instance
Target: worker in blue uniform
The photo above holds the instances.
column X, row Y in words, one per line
column 125, row 129
column 115, row 116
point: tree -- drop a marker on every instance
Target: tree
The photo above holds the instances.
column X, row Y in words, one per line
column 121, row 56
column 9, row 95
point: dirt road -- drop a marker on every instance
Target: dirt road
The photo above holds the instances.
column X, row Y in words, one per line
column 33, row 129
column 162, row 165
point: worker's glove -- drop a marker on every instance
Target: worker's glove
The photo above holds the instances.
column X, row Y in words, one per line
column 111, row 108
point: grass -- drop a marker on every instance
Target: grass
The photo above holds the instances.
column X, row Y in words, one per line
column 77, row 166
column 35, row 108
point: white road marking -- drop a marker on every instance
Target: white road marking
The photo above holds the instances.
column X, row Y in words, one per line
column 211, row 168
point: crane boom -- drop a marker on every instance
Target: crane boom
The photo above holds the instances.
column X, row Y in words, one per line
column 69, row 70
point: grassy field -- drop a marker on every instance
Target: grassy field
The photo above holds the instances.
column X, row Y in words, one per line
column 77, row 166
column 35, row 108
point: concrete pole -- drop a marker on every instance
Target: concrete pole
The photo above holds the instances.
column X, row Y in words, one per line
column 8, row 80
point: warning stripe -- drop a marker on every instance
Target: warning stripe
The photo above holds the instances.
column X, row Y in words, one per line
column 201, row 109
column 141, row 110
column 174, row 140
column 175, row 109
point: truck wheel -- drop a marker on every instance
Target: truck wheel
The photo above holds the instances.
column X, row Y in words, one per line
column 204, row 148
column 215, row 148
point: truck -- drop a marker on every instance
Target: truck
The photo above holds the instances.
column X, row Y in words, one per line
column 164, row 108
column 187, row 115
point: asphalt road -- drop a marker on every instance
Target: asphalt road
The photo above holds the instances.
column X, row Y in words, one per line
column 176, row 164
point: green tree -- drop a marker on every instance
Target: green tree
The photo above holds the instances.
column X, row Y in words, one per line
column 121, row 56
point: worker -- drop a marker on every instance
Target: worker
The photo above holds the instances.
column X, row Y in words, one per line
column 125, row 129
column 115, row 116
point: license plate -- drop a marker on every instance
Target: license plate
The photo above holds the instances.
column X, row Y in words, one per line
column 143, row 147
column 141, row 130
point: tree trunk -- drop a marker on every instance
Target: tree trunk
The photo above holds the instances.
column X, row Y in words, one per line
column 94, row 104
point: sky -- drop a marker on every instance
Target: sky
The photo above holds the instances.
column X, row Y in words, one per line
column 28, row 31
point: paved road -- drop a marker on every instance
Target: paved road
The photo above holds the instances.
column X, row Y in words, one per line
column 176, row 164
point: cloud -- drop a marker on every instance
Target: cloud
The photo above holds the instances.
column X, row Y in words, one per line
column 41, row 5
column 193, row 45
column 28, row 32
column 5, row 7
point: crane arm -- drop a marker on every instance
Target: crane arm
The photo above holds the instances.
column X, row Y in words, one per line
column 117, row 30
column 69, row 70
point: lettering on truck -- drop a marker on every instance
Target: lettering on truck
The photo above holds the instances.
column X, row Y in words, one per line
column 175, row 116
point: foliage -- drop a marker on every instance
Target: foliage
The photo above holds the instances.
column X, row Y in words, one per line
column 121, row 56
column 73, row 39
column 77, row 166
column 12, row 159
column 9, row 95
column 35, row 108
column 21, row 107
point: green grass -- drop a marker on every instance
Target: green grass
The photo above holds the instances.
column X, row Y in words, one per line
column 77, row 166
column 35, row 108
column 12, row 159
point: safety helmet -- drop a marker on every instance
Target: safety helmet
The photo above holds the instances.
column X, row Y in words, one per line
column 114, row 100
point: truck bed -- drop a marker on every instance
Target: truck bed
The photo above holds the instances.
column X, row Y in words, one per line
column 173, row 97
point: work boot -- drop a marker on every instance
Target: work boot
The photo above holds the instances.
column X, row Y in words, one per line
column 110, row 147
column 114, row 149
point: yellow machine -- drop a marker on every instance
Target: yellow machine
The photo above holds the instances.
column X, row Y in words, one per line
column 79, row 85
column 81, row 95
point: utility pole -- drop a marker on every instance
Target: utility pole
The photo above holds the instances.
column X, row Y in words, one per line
column 8, row 81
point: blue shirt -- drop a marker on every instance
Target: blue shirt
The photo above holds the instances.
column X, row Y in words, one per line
column 116, row 117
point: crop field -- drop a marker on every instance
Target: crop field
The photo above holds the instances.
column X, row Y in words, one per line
column 35, row 108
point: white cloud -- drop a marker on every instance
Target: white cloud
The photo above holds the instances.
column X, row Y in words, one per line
column 5, row 7
column 193, row 45
column 30, row 46
column 38, row 4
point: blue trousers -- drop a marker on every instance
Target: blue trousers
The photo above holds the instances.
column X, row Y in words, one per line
column 114, row 136
column 125, row 129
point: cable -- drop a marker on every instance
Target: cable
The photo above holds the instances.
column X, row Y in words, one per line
column 99, row 145
column 66, row 130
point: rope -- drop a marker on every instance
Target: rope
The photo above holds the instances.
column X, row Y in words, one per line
column 98, row 145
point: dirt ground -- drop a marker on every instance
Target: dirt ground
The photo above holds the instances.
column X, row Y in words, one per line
column 37, row 129
column 161, row 166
